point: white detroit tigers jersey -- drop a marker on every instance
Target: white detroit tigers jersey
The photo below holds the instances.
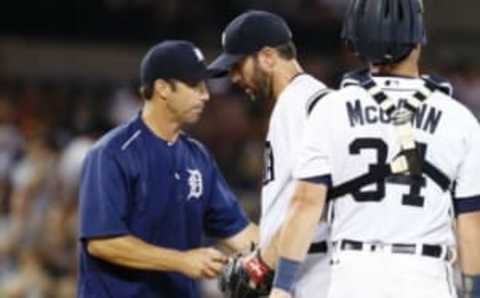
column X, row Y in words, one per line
column 283, row 141
column 347, row 134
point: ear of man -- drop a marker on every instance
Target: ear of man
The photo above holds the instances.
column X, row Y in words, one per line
column 163, row 88
column 268, row 58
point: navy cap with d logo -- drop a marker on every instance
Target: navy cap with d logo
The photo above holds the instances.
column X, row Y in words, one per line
column 174, row 59
column 247, row 34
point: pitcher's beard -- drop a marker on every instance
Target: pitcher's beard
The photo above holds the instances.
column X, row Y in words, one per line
column 263, row 85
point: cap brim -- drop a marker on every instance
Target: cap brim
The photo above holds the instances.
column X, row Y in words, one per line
column 223, row 64
column 195, row 78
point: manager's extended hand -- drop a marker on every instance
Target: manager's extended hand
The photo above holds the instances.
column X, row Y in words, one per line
column 203, row 263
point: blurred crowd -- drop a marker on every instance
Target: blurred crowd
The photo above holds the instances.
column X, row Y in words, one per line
column 148, row 20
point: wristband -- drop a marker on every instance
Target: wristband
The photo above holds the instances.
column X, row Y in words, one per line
column 286, row 274
column 471, row 285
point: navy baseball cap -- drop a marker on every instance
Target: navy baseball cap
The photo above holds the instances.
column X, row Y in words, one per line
column 174, row 59
column 247, row 34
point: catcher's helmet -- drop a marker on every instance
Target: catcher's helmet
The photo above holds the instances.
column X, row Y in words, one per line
column 384, row 31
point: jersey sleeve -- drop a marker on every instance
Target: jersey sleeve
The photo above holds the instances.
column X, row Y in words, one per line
column 224, row 217
column 103, row 197
column 467, row 190
column 314, row 158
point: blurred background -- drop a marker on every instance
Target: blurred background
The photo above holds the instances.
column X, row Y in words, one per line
column 69, row 72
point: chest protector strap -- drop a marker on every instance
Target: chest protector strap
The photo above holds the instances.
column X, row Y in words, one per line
column 408, row 161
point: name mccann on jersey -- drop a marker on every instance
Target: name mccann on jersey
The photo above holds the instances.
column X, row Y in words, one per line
column 427, row 117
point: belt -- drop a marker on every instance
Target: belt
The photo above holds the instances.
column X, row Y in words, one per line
column 428, row 250
column 318, row 247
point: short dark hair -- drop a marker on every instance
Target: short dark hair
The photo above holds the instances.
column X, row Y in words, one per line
column 287, row 51
column 146, row 90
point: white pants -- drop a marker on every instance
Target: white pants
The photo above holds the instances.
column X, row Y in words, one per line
column 364, row 274
column 314, row 277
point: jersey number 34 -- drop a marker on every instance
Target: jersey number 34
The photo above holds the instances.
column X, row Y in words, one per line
column 410, row 198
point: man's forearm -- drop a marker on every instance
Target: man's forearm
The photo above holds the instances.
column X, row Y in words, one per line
column 133, row 252
column 298, row 230
column 468, row 234
column 303, row 224
column 243, row 240
column 296, row 234
column 269, row 252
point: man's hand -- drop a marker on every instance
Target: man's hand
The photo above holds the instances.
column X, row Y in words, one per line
column 202, row 263
column 279, row 293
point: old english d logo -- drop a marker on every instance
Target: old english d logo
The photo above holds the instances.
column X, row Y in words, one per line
column 195, row 182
